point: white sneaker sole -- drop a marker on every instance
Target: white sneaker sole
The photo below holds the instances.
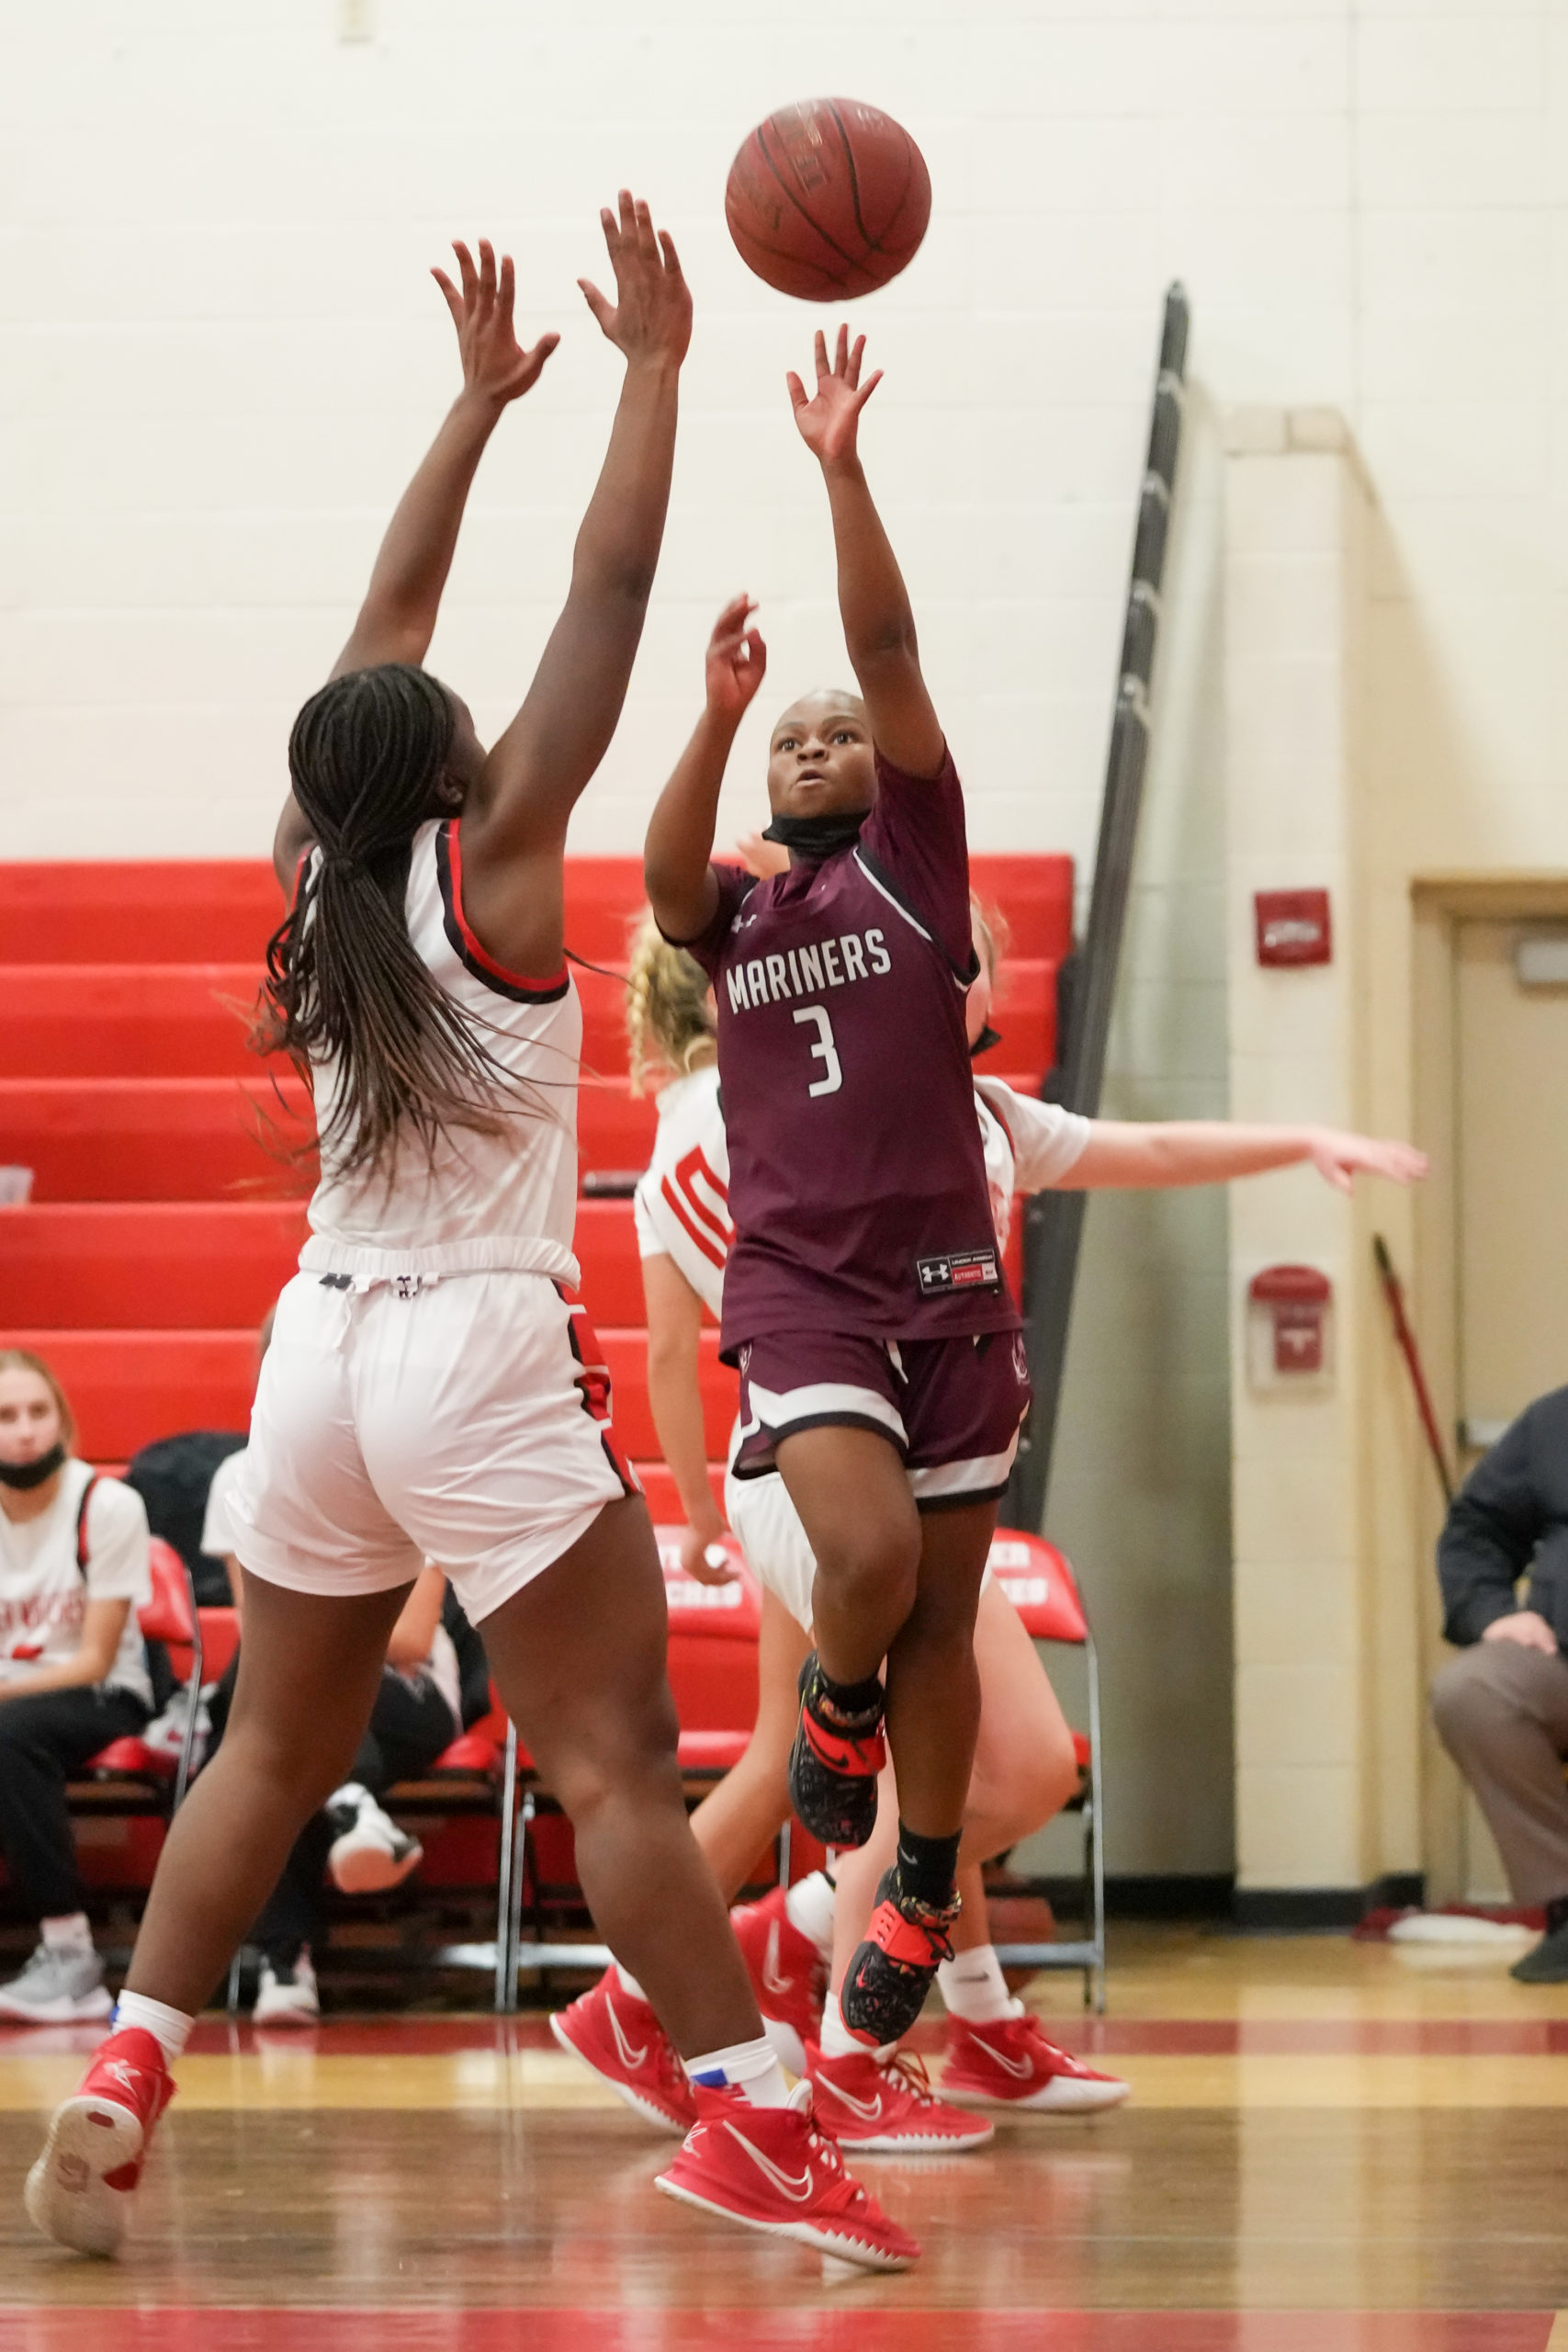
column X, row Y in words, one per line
column 633, row 2098
column 930, row 2144
column 65, row 2196
column 295, row 2013
column 1060, row 2097
column 855, row 2250
column 370, row 1870
column 65, row 2011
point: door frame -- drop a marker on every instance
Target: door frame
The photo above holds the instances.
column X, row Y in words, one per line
column 1439, row 903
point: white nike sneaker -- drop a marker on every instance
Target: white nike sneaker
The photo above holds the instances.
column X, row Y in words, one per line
column 287, row 1993
column 370, row 1854
column 60, row 1985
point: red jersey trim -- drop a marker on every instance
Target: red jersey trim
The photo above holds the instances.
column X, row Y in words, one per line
column 700, row 1240
column 470, row 953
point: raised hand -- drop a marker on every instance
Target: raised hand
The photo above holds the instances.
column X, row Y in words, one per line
column 1339, row 1158
column 737, row 661
column 494, row 363
column 760, row 858
column 830, row 419
column 651, row 317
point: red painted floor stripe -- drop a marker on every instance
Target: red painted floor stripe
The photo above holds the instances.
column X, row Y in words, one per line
column 654, row 2330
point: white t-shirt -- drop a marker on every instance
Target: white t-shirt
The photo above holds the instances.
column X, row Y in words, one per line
column 217, row 1538
column 681, row 1203
column 44, row 1593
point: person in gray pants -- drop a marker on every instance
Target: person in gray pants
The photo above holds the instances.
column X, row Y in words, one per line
column 1501, row 1707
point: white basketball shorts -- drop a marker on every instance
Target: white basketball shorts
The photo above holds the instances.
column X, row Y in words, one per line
column 464, row 1421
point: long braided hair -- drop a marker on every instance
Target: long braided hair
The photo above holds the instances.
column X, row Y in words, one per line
column 367, row 756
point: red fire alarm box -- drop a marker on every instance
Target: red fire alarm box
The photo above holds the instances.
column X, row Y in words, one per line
column 1289, row 1326
column 1293, row 927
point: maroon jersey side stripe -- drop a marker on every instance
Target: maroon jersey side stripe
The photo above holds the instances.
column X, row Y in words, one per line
column 880, row 879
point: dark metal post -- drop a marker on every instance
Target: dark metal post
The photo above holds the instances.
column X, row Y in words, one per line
column 1054, row 1223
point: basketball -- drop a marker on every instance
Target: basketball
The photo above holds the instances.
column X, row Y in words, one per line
column 829, row 199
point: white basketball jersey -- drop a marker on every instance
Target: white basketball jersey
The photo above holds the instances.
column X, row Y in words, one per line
column 1030, row 1146
column 489, row 1201
column 683, row 1201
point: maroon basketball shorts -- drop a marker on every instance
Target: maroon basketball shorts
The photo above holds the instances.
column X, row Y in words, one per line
column 952, row 1408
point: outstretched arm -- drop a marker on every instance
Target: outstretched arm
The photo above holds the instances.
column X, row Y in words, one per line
column 879, row 626
column 674, row 1397
column 397, row 619
column 681, row 890
column 514, row 827
column 1214, row 1152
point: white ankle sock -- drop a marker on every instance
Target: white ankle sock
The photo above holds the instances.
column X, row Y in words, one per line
column 170, row 2029
column 71, row 1932
column 750, row 2065
column 809, row 1907
column 629, row 1985
column 972, row 1987
column 836, row 2040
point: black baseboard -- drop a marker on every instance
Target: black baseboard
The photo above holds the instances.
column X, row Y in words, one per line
column 1299, row 1910
column 1175, row 1894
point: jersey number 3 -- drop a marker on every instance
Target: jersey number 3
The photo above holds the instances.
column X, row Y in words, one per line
column 823, row 1051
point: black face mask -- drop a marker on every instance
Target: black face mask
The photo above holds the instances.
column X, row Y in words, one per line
column 983, row 1042
column 24, row 1475
column 815, row 838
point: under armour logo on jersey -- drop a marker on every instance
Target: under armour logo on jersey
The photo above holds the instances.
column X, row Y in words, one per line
column 960, row 1270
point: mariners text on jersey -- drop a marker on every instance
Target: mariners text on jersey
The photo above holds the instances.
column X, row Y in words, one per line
column 806, row 971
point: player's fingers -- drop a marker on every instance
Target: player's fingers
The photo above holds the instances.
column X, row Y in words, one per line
column 506, row 291
column 821, row 353
column 671, row 258
column 647, row 243
column 866, row 390
column 486, row 270
column 757, row 653
column 608, row 223
column 842, row 352
column 454, row 300
column 465, row 269
column 626, row 206
column 796, row 390
column 534, row 361
column 857, row 353
column 602, row 309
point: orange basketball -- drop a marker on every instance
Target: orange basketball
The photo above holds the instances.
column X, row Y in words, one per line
column 828, row 199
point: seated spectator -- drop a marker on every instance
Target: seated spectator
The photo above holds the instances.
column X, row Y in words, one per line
column 418, row 1711
column 1501, row 1708
column 73, row 1671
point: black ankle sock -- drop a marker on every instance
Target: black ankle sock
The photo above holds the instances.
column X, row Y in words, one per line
column 1557, row 1914
column 852, row 1706
column 926, row 1867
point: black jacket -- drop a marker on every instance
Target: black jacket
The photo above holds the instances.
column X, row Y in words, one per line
column 1510, row 1517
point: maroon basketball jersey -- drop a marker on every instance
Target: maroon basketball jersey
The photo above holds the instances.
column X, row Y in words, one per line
column 857, row 1179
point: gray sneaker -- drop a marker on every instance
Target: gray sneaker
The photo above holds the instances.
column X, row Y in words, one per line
column 57, row 1988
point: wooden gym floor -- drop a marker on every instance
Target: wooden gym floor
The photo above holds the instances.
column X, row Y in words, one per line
column 1332, row 2148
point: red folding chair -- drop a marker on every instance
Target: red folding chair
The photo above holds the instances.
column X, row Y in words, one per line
column 713, row 1674
column 130, row 1766
column 1040, row 1584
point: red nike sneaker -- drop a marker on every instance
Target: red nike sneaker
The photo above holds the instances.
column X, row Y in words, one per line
column 770, row 2168
column 789, row 1976
column 1010, row 2063
column 79, row 2191
column 624, row 2042
column 888, row 2109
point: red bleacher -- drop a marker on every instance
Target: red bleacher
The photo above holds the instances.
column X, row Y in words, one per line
column 165, row 1217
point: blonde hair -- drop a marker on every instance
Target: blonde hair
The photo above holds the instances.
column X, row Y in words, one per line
column 994, row 936
column 669, row 1019
column 24, row 1359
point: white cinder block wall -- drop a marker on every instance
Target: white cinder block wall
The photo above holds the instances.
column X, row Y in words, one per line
column 220, row 356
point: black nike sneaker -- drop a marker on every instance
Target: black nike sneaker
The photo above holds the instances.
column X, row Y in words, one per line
column 834, row 1764
column 889, row 1975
